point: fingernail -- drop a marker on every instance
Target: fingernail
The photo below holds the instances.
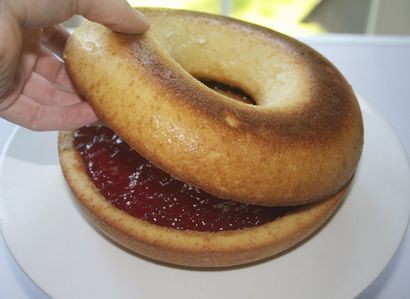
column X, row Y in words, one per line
column 143, row 21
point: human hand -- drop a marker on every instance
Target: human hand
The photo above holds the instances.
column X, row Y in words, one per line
column 35, row 90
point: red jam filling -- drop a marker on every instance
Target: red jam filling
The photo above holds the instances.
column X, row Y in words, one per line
column 136, row 186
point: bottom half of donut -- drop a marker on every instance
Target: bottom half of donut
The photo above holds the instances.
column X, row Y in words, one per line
column 191, row 248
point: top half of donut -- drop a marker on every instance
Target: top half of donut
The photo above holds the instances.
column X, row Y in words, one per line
column 301, row 141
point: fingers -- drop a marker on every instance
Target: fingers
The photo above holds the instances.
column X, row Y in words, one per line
column 63, row 118
column 42, row 105
column 115, row 14
column 30, row 114
column 25, row 60
column 52, row 69
column 54, row 38
column 10, row 46
column 44, row 92
column 47, row 100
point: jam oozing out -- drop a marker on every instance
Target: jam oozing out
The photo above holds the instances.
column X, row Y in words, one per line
column 136, row 186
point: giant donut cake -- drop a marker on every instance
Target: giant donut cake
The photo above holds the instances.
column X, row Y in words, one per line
column 299, row 145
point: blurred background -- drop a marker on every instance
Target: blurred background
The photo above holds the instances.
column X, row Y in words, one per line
column 307, row 17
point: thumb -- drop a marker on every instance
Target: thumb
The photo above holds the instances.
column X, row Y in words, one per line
column 116, row 15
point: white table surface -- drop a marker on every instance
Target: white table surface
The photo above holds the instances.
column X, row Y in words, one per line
column 378, row 69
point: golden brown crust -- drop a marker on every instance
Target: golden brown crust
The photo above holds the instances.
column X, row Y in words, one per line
column 190, row 248
column 301, row 143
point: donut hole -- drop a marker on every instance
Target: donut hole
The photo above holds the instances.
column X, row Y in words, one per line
column 253, row 60
column 228, row 90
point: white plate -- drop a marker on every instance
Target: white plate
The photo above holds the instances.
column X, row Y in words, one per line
column 68, row 258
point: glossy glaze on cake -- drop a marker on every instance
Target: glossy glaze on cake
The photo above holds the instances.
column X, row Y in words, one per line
column 302, row 140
